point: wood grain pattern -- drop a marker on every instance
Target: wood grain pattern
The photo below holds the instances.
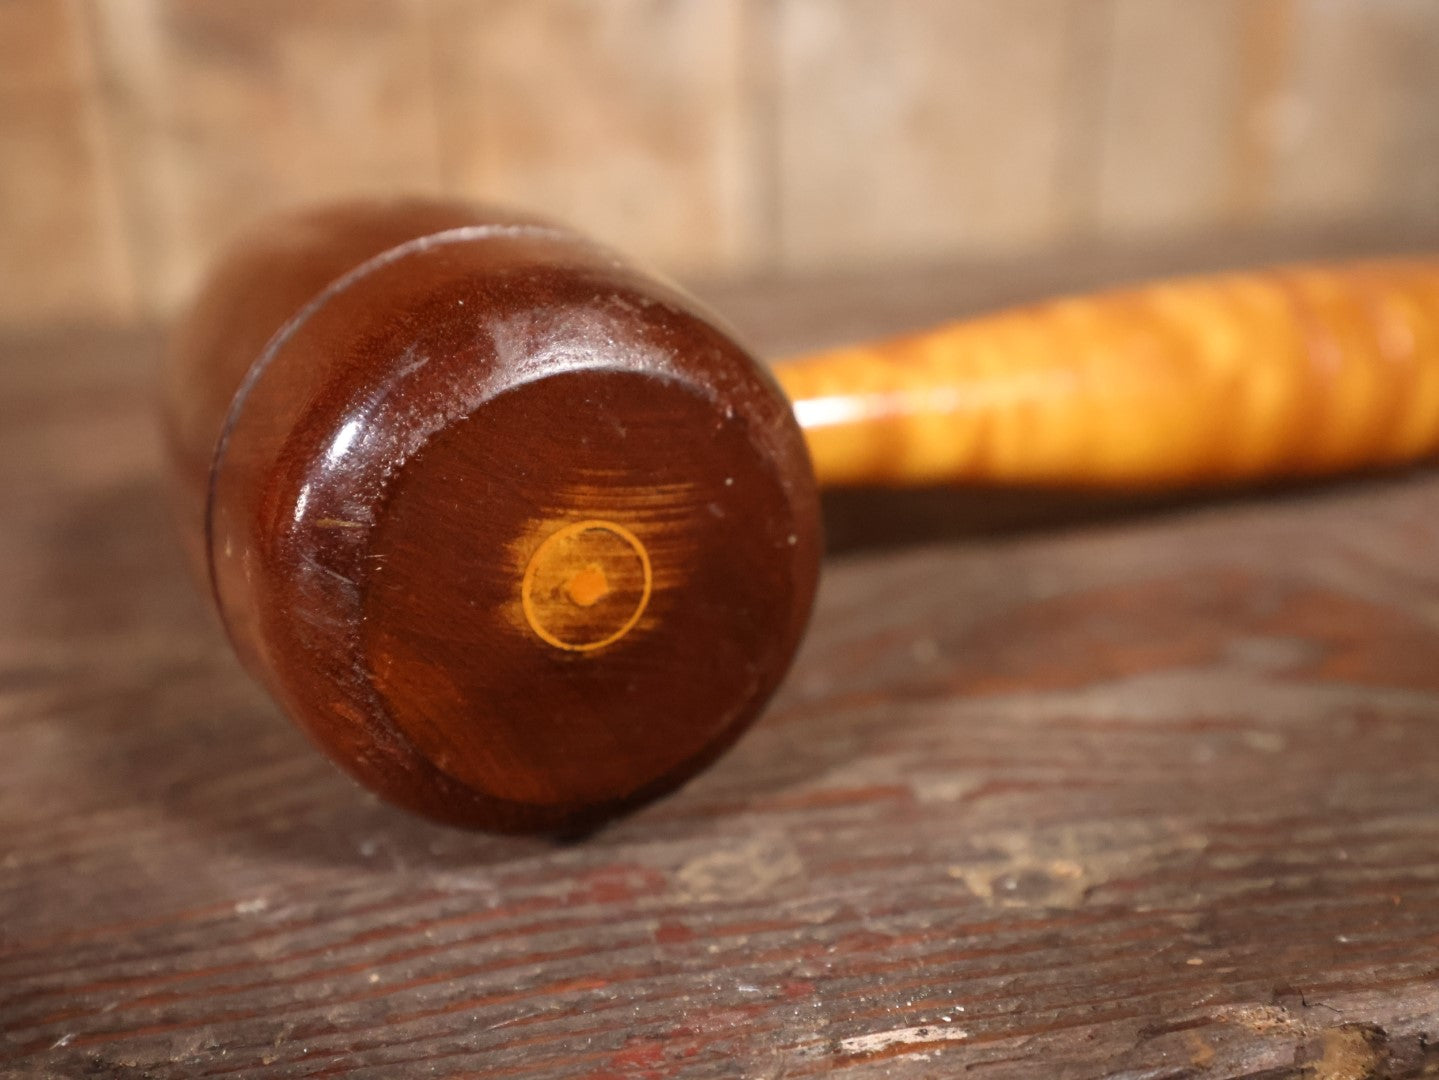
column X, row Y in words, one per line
column 1295, row 371
column 710, row 138
column 1136, row 797
column 909, row 129
column 630, row 119
column 1176, row 116
column 1361, row 114
column 63, row 253
column 224, row 112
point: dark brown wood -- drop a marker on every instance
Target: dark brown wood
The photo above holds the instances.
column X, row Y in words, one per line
column 512, row 530
column 1133, row 796
column 523, row 540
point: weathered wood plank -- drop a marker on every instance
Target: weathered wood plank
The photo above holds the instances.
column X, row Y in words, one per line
column 223, row 112
column 919, row 129
column 1149, row 796
column 63, row 254
column 740, row 137
column 1360, row 126
column 630, row 119
column 1179, row 119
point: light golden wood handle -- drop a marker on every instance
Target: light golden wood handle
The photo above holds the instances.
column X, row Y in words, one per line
column 1278, row 373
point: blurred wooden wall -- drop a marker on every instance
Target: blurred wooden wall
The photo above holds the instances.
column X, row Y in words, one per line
column 712, row 137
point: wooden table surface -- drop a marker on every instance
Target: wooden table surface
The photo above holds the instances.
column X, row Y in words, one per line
column 1055, row 789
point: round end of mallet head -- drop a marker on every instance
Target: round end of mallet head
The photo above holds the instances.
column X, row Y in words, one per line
column 585, row 590
column 518, row 534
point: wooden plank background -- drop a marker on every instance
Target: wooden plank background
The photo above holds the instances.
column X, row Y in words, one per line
column 1147, row 797
column 718, row 138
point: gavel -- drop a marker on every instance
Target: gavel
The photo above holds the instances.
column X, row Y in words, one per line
column 522, row 537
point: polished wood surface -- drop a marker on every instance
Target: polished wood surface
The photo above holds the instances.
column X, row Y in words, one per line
column 1136, row 795
column 1287, row 372
column 522, row 539
column 509, row 528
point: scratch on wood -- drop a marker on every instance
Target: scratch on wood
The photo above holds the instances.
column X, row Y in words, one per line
column 314, row 564
column 908, row 1036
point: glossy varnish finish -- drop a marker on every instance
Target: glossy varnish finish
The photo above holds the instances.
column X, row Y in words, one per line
column 523, row 537
column 512, row 530
column 1286, row 372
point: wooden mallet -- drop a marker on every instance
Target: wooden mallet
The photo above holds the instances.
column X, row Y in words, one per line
column 522, row 537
